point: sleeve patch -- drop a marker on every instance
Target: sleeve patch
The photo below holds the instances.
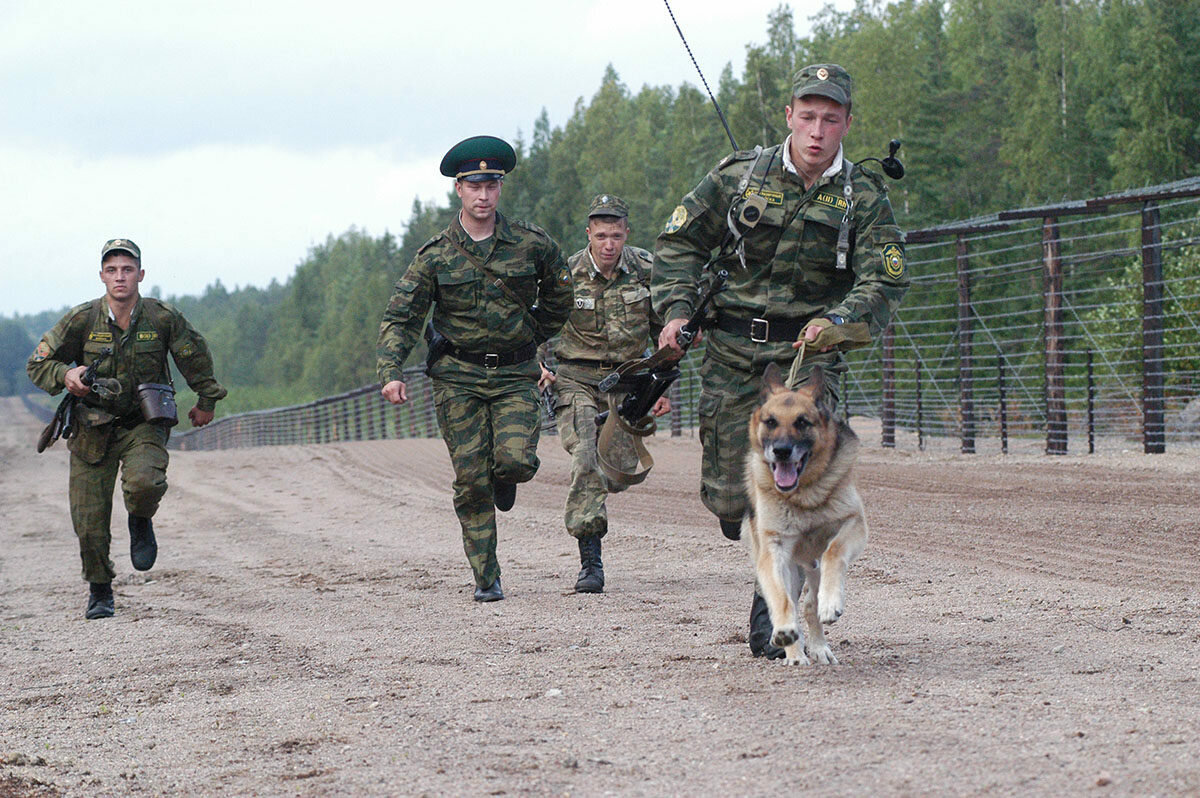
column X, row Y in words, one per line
column 893, row 260
column 42, row 352
column 678, row 219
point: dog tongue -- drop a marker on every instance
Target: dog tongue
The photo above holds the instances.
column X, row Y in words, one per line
column 785, row 474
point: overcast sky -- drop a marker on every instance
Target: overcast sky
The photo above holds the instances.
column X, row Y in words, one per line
column 226, row 138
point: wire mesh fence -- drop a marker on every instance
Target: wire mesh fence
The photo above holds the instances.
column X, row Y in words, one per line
column 1062, row 328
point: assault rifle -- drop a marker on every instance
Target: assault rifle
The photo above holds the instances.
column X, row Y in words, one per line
column 645, row 381
column 63, row 423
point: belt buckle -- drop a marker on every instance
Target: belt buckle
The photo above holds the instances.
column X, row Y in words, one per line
column 607, row 365
column 760, row 330
column 491, row 361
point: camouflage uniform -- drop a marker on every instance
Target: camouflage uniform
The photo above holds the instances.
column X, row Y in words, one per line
column 488, row 416
column 612, row 322
column 790, row 278
column 112, row 434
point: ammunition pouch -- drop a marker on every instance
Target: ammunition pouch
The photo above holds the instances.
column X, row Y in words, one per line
column 157, row 402
column 91, row 433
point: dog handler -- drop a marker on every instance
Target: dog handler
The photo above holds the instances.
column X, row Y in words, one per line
column 824, row 249
column 611, row 322
column 131, row 336
column 499, row 288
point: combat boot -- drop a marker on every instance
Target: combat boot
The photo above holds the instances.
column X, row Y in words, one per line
column 143, row 549
column 761, row 630
column 504, row 495
column 100, row 601
column 591, row 575
column 492, row 592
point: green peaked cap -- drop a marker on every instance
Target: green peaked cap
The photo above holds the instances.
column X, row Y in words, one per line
column 479, row 158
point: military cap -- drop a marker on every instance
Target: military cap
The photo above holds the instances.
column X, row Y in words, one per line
column 479, row 158
column 608, row 205
column 120, row 245
column 827, row 80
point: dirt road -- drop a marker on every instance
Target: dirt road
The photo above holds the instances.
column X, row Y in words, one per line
column 1020, row 625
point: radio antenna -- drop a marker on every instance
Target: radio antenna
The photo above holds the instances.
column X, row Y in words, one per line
column 720, row 113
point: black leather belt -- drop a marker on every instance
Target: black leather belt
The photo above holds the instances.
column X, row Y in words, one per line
column 492, row 360
column 130, row 421
column 606, row 365
column 762, row 331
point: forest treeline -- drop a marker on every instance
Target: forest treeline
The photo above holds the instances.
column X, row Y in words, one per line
column 999, row 103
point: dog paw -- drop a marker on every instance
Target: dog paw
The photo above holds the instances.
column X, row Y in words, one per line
column 830, row 604
column 785, row 636
column 822, row 654
column 830, row 614
column 799, row 659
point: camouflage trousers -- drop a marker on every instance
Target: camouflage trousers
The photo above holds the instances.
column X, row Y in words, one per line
column 576, row 408
column 728, row 396
column 490, row 422
column 140, row 455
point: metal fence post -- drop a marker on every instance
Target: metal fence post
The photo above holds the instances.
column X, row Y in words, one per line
column 1153, row 417
column 887, row 409
column 966, row 385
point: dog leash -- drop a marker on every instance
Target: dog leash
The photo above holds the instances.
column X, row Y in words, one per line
column 791, row 380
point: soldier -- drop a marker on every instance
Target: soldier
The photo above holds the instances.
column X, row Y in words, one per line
column 131, row 336
column 499, row 288
column 823, row 249
column 612, row 322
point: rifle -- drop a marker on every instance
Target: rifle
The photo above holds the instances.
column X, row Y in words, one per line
column 63, row 423
column 548, row 398
column 645, row 381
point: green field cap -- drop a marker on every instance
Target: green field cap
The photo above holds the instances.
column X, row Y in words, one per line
column 827, row 80
column 479, row 158
column 120, row 245
column 608, row 205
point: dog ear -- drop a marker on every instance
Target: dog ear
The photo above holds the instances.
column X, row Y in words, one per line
column 815, row 386
column 772, row 380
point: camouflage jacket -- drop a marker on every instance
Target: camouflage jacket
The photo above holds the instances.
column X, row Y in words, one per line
column 139, row 354
column 790, row 255
column 469, row 309
column 612, row 319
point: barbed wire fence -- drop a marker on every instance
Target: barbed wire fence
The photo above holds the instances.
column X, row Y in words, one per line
column 1058, row 328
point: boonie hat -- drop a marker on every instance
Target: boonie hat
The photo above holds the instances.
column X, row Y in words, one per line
column 120, row 245
column 608, row 205
column 479, row 158
column 826, row 80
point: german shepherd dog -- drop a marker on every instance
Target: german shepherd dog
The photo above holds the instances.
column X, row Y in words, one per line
column 805, row 512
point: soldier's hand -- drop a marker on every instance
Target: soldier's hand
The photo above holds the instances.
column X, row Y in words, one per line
column 661, row 407
column 813, row 330
column 395, row 392
column 668, row 338
column 72, row 381
column 199, row 417
column 547, row 379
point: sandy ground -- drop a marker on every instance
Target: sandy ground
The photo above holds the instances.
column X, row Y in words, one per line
column 1020, row 625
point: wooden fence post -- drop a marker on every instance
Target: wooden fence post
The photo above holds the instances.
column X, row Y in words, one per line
column 1153, row 418
column 887, row 410
column 1056, row 397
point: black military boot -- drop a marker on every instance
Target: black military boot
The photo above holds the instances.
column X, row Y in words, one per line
column 761, row 629
column 492, row 592
column 591, row 575
column 143, row 549
column 504, row 495
column 100, row 601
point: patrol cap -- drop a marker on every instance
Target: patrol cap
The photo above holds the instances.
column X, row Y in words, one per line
column 479, row 158
column 120, row 245
column 826, row 80
column 608, row 205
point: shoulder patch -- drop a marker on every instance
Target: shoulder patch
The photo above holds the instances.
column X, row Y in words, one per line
column 678, row 219
column 893, row 260
column 42, row 352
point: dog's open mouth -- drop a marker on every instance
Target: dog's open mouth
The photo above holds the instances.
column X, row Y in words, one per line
column 787, row 472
